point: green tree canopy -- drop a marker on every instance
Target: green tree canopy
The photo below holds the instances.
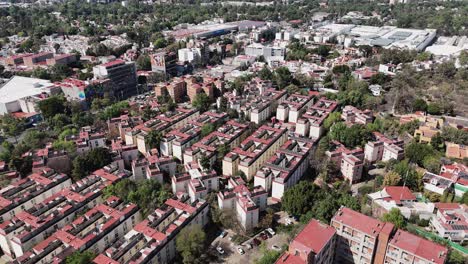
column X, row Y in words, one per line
column 90, row 161
column 191, row 244
column 395, row 217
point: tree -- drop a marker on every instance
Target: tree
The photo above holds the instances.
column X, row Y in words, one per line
column 395, row 217
column 299, row 199
column 143, row 62
column 205, row 162
column 23, row 165
column 60, row 71
column 154, row 138
column 432, row 164
column 268, row 256
column 207, row 128
column 201, row 102
column 51, row 106
column 267, row 219
column 292, row 89
column 464, row 199
column 454, row 257
column 434, row 109
column 391, row 178
column 12, row 126
column 420, row 105
column 88, row 162
column 323, row 50
column 283, row 77
column 191, row 244
column 79, row 257
column 417, row 152
column 265, row 73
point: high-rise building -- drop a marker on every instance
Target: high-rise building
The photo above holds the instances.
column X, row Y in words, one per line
column 122, row 76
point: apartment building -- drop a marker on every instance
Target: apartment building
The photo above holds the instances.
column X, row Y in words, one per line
column 122, row 76
column 254, row 151
column 163, row 122
column 17, row 59
column 39, row 58
column 408, row 248
column 228, row 135
column 314, row 244
column 350, row 161
column 119, row 126
column 311, row 122
column 176, row 89
column 194, row 87
column 153, row 167
column 88, row 139
column 176, row 141
column 245, row 202
column 127, row 153
column 451, row 221
column 95, row 231
column 383, row 148
column 292, row 108
column 31, row 226
column 61, row 59
column 351, row 115
column 197, row 182
column 286, row 167
column 27, row 192
column 361, row 239
column 153, row 240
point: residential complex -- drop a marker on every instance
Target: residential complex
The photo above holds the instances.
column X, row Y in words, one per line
column 311, row 122
column 451, row 221
column 383, row 148
column 291, row 109
column 153, row 239
column 254, row 151
column 286, row 167
column 351, row 115
column 349, row 161
column 246, row 203
column 197, row 182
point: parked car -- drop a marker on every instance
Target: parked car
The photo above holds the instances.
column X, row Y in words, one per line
column 223, row 234
column 256, row 242
column 275, row 247
column 240, row 250
column 271, row 231
column 220, row 250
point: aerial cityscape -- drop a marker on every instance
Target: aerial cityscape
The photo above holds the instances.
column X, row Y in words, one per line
column 217, row 131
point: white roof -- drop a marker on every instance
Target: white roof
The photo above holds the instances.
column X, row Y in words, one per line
column 444, row 50
column 19, row 87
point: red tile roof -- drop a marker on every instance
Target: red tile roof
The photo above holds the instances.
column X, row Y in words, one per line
column 315, row 236
column 419, row 246
column 398, row 193
column 359, row 221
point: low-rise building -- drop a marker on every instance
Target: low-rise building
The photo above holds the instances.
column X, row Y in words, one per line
column 153, row 167
column 437, row 183
column 350, row 161
column 314, row 244
column 351, row 115
column 88, row 139
column 39, row 58
column 292, row 108
column 245, row 202
column 31, row 226
column 286, row 167
column 383, row 148
column 408, row 248
column 456, row 151
column 96, row 230
column 228, row 136
column 154, row 239
column 458, row 173
column 311, row 122
column 197, row 182
column 254, row 151
column 27, row 192
column 361, row 239
column 61, row 59
column 451, row 221
column 176, row 141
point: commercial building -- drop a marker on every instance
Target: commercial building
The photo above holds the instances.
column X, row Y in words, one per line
column 254, row 151
column 291, row 109
column 154, row 239
column 311, row 122
column 350, row 161
column 96, row 230
column 21, row 93
column 361, row 239
column 314, row 244
column 27, row 192
column 383, row 148
column 122, row 77
column 246, row 203
column 31, row 226
column 408, row 248
column 286, row 167
column 451, row 221
column 227, row 136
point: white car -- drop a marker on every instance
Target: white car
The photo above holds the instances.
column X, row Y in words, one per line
column 240, row 250
column 275, row 247
column 220, row 250
column 271, row 231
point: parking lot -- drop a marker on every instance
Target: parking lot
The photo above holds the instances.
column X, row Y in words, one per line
column 231, row 254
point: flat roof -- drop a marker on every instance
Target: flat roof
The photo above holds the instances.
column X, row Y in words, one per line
column 19, row 87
